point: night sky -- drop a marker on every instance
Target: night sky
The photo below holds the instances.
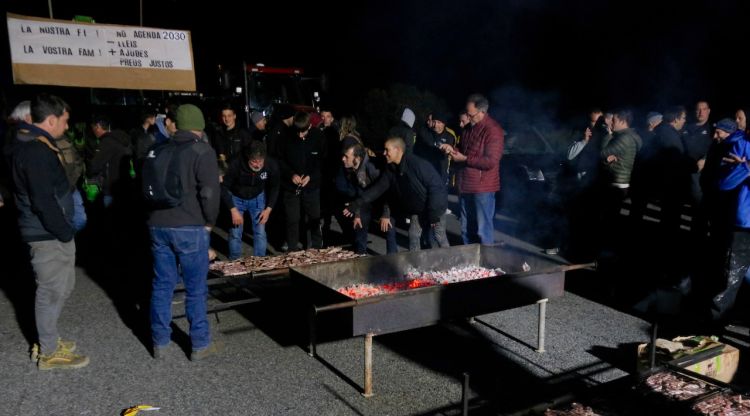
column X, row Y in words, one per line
column 579, row 53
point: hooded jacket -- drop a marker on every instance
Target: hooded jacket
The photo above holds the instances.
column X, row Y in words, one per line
column 736, row 176
column 201, row 193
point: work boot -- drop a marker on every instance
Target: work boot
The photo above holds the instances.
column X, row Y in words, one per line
column 61, row 359
column 160, row 351
column 68, row 346
column 212, row 349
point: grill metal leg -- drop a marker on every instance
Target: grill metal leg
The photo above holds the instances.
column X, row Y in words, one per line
column 542, row 320
column 313, row 332
column 368, row 366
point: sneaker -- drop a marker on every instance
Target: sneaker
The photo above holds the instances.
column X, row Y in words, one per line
column 61, row 359
column 197, row 355
column 552, row 251
column 68, row 346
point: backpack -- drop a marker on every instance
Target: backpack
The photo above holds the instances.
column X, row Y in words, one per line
column 161, row 184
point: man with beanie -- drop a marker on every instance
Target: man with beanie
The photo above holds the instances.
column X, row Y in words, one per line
column 405, row 129
column 477, row 161
column 180, row 236
column 259, row 122
column 430, row 137
column 44, row 197
column 301, row 157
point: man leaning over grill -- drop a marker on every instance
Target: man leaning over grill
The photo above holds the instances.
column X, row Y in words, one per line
column 416, row 189
column 251, row 184
column 357, row 176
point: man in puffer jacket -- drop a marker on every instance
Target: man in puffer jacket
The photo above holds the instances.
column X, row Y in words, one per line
column 477, row 162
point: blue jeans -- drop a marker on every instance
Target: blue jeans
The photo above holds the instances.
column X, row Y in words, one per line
column 361, row 234
column 477, row 217
column 188, row 247
column 79, row 212
column 254, row 206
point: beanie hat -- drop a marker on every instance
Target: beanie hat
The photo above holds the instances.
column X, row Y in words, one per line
column 189, row 117
column 654, row 117
column 256, row 117
column 440, row 116
column 727, row 124
column 408, row 117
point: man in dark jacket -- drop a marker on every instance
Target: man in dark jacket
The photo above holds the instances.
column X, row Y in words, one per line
column 141, row 135
column 111, row 163
column 45, row 203
column 477, row 161
column 179, row 235
column 668, row 168
column 357, row 176
column 429, row 139
column 300, row 159
column 415, row 189
column 251, row 184
column 230, row 137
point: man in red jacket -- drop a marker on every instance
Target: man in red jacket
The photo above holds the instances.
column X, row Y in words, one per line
column 477, row 161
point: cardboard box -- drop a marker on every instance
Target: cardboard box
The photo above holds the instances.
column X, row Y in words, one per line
column 722, row 367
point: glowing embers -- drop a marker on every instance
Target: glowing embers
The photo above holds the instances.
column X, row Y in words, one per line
column 415, row 279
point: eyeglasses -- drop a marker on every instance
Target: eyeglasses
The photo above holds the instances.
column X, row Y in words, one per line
column 472, row 115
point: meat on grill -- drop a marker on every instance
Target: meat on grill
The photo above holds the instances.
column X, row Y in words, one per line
column 576, row 409
column 723, row 405
column 676, row 387
column 414, row 279
column 252, row 264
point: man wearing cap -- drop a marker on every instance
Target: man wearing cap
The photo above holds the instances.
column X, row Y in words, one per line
column 734, row 239
column 179, row 236
column 281, row 130
column 433, row 135
column 260, row 123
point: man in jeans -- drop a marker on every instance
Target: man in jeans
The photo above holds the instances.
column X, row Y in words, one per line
column 477, row 161
column 415, row 189
column 251, row 184
column 179, row 237
column 45, row 203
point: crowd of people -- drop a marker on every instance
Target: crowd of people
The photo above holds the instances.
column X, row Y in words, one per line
column 178, row 177
column 289, row 179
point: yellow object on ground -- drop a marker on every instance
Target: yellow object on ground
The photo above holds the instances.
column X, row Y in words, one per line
column 132, row 411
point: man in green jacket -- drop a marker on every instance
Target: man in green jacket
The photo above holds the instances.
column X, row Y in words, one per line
column 618, row 156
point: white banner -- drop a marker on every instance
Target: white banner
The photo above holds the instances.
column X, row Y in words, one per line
column 35, row 41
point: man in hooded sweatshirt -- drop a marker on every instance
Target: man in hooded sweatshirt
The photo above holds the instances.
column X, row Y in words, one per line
column 405, row 129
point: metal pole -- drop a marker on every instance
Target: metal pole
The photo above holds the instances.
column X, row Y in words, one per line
column 652, row 351
column 465, row 395
column 49, row 4
column 247, row 95
column 542, row 320
column 311, row 348
column 140, row 12
column 368, row 366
